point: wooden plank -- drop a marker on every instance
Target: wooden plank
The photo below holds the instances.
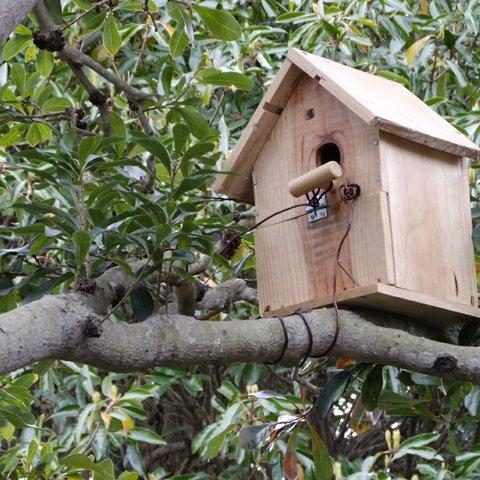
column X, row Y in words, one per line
column 468, row 231
column 422, row 137
column 237, row 183
column 255, row 134
column 430, row 220
column 429, row 310
column 295, row 259
column 370, row 239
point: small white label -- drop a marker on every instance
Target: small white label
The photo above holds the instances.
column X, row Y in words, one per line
column 320, row 212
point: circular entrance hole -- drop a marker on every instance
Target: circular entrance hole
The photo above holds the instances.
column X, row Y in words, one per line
column 328, row 152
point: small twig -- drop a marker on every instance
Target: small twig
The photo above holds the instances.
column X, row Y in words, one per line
column 304, row 383
column 217, row 109
column 40, row 116
column 132, row 287
column 140, row 53
column 149, row 13
column 95, row 7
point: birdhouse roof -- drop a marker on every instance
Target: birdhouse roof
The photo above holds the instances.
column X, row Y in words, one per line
column 382, row 103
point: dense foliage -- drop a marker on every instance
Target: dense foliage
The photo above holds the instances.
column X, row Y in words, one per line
column 93, row 177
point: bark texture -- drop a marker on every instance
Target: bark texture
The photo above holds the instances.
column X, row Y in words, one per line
column 58, row 327
column 12, row 12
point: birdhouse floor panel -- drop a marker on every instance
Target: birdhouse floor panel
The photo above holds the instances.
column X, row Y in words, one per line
column 431, row 311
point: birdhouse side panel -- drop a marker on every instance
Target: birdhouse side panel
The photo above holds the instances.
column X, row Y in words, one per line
column 430, row 220
column 295, row 258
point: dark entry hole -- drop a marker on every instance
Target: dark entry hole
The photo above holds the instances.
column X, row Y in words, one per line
column 328, row 152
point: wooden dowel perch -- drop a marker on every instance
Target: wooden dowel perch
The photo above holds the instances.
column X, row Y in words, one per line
column 320, row 177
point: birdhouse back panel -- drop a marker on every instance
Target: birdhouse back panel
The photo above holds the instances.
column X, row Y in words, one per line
column 295, row 256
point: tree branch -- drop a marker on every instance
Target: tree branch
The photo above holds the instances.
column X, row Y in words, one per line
column 12, row 12
column 56, row 327
column 71, row 54
column 220, row 298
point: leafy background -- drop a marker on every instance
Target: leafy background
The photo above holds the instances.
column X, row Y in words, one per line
column 74, row 202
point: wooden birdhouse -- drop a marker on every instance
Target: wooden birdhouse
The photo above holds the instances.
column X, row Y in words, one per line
column 321, row 126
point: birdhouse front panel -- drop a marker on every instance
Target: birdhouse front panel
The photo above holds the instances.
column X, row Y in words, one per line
column 295, row 255
column 404, row 244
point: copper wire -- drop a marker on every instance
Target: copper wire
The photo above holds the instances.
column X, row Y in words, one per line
column 312, row 202
column 349, row 193
column 285, row 343
column 310, row 338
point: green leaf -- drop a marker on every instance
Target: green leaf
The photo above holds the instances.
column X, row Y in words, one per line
column 134, row 459
column 56, row 104
column 156, row 148
column 322, row 463
column 44, row 62
column 38, row 133
column 425, row 452
column 222, row 25
column 395, row 77
column 15, row 45
column 88, row 146
column 197, row 123
column 111, row 37
column 396, row 404
column 118, row 124
column 144, row 435
column 181, row 133
column 198, row 150
column 372, row 387
column 178, row 41
column 216, row 443
column 420, row 440
column 166, row 79
column 458, row 72
column 191, row 183
column 46, row 287
column 330, row 28
column 54, row 8
column 18, row 76
column 128, row 476
column 81, row 241
column 334, row 388
column 26, row 380
column 211, row 76
column 93, row 21
column 142, row 303
column 82, row 462
column 17, row 417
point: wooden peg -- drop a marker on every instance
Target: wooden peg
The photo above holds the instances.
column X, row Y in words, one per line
column 319, row 177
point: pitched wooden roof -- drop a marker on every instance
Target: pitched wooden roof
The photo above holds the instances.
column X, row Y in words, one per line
column 379, row 102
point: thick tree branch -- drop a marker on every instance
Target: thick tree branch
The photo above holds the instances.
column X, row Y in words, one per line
column 222, row 297
column 12, row 12
column 56, row 327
